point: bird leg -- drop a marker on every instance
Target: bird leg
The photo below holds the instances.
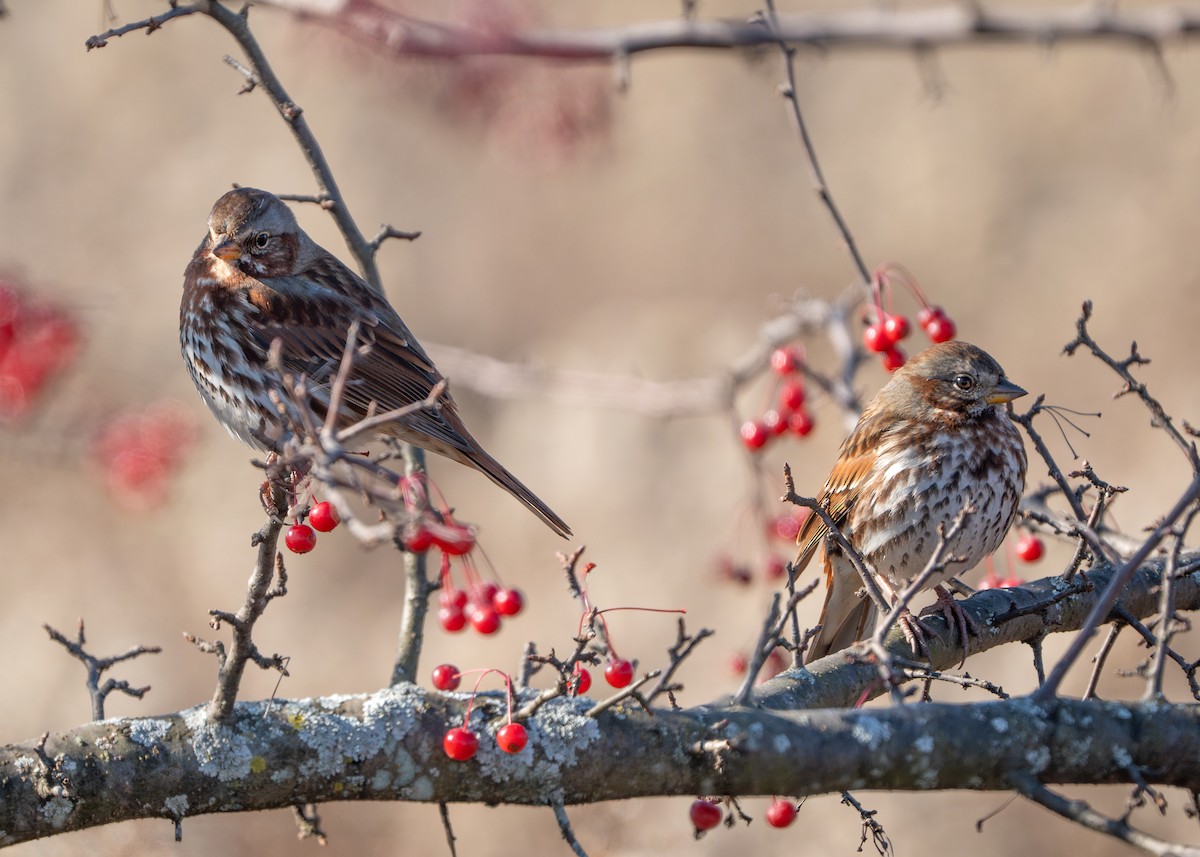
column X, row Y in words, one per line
column 915, row 631
column 958, row 619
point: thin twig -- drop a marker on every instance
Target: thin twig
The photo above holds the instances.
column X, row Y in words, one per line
column 444, row 812
column 1114, row 631
column 1081, row 813
column 820, row 186
column 96, row 667
column 154, row 22
column 564, row 827
column 1166, row 611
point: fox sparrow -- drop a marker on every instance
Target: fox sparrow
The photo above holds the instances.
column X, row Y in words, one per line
column 258, row 279
column 935, row 440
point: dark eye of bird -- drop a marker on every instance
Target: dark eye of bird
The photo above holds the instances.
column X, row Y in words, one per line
column 261, row 239
column 964, row 382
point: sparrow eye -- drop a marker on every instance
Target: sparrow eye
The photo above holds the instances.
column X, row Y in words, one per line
column 261, row 240
column 964, row 382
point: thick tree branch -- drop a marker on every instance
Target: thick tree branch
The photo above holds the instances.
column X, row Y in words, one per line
column 387, row 746
column 1002, row 615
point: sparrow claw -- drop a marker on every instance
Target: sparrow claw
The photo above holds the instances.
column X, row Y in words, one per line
column 916, row 632
column 959, row 620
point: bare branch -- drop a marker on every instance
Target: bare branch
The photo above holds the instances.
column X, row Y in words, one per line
column 96, row 667
column 876, row 27
column 232, row 665
column 1081, row 813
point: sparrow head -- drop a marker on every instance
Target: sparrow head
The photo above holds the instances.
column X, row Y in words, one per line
column 953, row 378
column 253, row 230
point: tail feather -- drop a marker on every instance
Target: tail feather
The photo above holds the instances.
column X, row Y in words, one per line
column 846, row 617
column 495, row 471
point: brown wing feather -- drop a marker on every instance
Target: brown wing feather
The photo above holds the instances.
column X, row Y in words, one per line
column 839, row 495
column 390, row 371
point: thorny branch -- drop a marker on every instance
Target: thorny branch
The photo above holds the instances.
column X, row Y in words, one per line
column 1081, row 813
column 1183, row 508
column 232, row 663
column 96, row 667
column 918, row 31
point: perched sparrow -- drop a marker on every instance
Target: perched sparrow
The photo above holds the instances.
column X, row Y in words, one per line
column 935, row 440
column 257, row 278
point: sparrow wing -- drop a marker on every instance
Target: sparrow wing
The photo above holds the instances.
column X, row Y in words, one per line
column 311, row 321
column 841, row 491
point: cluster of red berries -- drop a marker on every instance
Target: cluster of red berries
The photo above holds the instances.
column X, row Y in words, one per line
column 460, row 743
column 706, row 814
column 483, row 603
column 884, row 334
column 429, row 528
column 787, row 413
column 37, row 341
column 138, row 452
column 322, row 518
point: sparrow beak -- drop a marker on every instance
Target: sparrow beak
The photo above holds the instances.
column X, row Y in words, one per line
column 1003, row 392
column 225, row 248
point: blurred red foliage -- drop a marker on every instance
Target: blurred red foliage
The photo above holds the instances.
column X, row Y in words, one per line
column 37, row 341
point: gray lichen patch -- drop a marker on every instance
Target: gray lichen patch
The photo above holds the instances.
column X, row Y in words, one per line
column 870, row 732
column 558, row 735
column 221, row 751
column 176, row 806
column 148, row 731
column 57, row 810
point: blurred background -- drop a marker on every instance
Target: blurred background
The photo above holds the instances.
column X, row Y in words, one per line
column 647, row 233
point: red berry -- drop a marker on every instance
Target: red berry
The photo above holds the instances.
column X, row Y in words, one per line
column 323, row 517
column 738, row 664
column 619, row 672
column 926, row 314
column 705, row 815
column 452, row 618
column 989, row 582
column 418, row 540
column 508, row 602
column 484, row 619
column 940, row 329
column 583, row 680
column 453, row 598
column 895, row 328
column 786, row 527
column 800, row 423
column 754, row 435
column 893, row 359
column 512, row 738
column 776, row 568
column 781, row 813
column 1030, row 548
column 775, row 422
column 784, row 361
column 454, row 539
column 484, row 592
column 1011, row 582
column 300, row 538
column 460, row 743
column 446, row 677
column 791, row 395
column 875, row 339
